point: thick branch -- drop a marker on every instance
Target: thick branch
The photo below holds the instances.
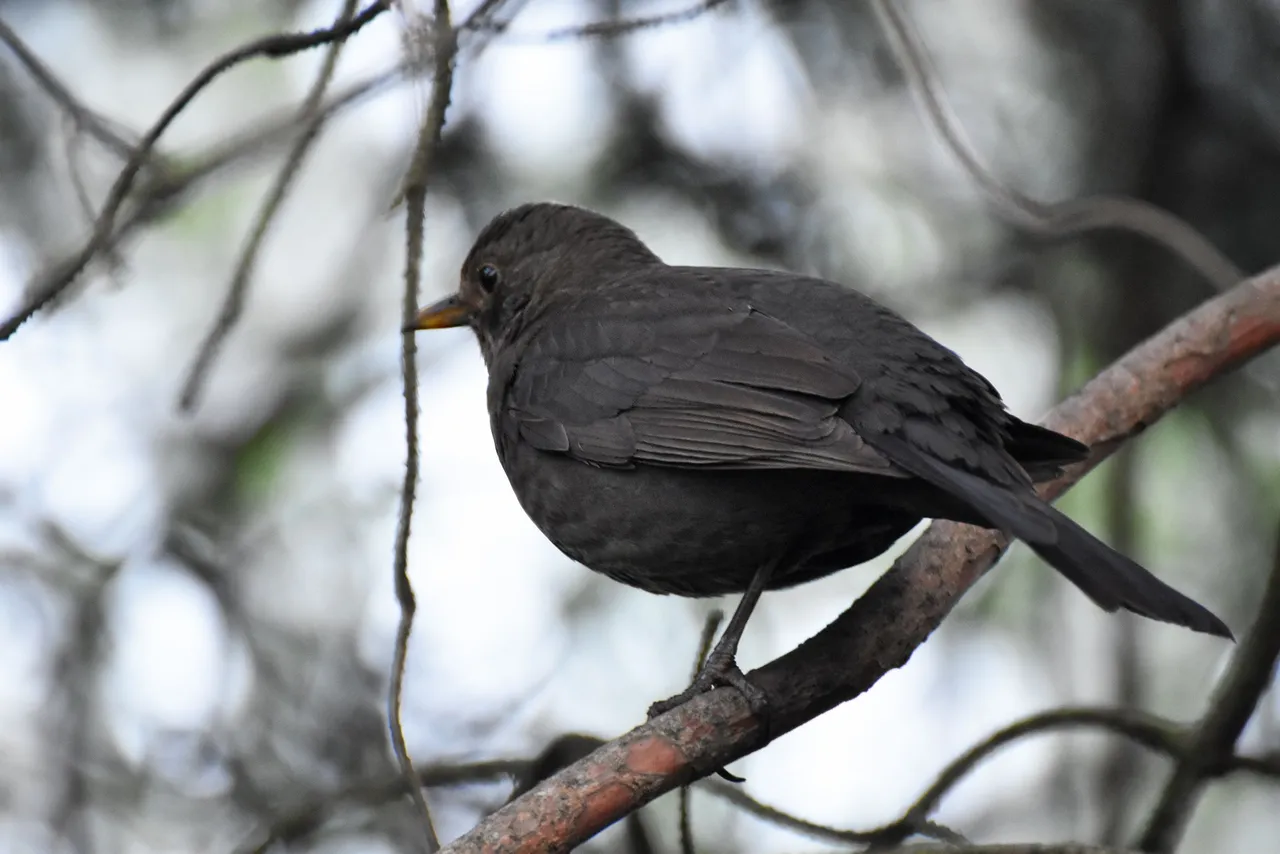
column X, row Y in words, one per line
column 897, row 614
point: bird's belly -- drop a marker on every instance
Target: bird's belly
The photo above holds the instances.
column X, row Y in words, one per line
column 699, row 533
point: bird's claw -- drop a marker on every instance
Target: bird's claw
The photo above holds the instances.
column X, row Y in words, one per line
column 719, row 670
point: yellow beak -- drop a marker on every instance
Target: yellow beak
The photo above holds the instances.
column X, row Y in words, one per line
column 445, row 314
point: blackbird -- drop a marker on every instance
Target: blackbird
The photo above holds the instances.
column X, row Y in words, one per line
column 703, row 431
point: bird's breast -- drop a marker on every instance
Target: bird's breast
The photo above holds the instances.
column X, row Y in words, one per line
column 682, row 531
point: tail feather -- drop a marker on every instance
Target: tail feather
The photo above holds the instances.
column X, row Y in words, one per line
column 1042, row 452
column 1114, row 581
column 1107, row 577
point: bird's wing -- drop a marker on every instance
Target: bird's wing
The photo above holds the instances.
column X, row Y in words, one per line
column 684, row 382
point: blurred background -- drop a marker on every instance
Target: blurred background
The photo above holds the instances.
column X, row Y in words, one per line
column 196, row 610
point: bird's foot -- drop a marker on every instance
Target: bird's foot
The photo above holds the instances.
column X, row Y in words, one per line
column 719, row 670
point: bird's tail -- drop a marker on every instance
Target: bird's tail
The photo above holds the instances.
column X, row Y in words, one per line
column 1107, row 577
column 1114, row 581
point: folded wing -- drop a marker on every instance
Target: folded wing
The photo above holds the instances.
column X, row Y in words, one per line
column 690, row 385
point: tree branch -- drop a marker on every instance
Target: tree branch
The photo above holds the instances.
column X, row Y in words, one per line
column 47, row 286
column 1229, row 710
column 296, row 824
column 1061, row 219
column 312, row 117
column 1016, row 848
column 415, row 200
column 85, row 119
column 897, row 614
column 1147, row 730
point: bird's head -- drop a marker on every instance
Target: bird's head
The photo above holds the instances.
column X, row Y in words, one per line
column 530, row 254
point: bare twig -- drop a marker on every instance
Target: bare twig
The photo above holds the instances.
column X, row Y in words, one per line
column 160, row 193
column 80, row 188
column 298, row 823
column 415, row 198
column 1229, row 710
column 74, row 809
column 482, row 21
column 84, row 118
column 481, row 17
column 888, row 835
column 1062, row 219
column 311, row 117
column 47, row 286
column 882, row 629
column 1016, row 848
column 1149, row 731
column 1118, row 771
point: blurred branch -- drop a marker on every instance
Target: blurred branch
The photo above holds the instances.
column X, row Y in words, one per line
column 879, row 631
column 292, row 826
column 1063, row 219
column 47, row 286
column 1118, row 772
column 415, row 200
column 85, row 119
column 888, row 835
column 1147, row 730
column 107, row 230
column 1229, row 710
column 186, row 171
column 1015, row 848
column 183, row 173
column 483, row 21
column 73, row 812
column 311, row 118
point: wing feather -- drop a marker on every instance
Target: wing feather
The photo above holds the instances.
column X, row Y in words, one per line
column 695, row 385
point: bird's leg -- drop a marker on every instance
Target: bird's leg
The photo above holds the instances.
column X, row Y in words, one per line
column 721, row 666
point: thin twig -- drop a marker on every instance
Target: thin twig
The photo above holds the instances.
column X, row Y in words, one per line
column 1141, row 728
column 158, row 195
column 80, row 189
column 1007, row 848
column 160, row 192
column 1229, row 710
column 415, row 198
column 626, row 26
column 47, row 286
column 312, row 117
column 1062, row 219
column 85, row 119
column 482, row 15
column 1146, row 730
column 482, row 21
column 300, row 822
column 886, row 835
column 1118, row 771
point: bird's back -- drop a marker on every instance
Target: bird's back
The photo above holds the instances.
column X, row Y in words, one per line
column 905, row 372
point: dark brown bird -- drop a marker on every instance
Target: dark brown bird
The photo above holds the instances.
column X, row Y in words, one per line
column 703, row 431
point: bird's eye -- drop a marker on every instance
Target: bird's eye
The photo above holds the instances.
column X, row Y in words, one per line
column 488, row 276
